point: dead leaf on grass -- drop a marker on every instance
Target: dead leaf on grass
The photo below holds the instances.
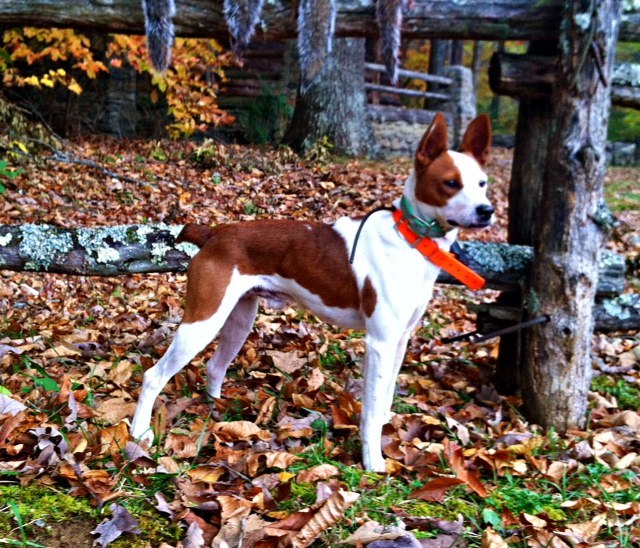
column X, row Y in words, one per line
column 111, row 529
column 326, row 517
column 9, row 406
column 317, row 473
column 240, row 430
column 288, row 362
column 115, row 410
column 232, row 507
column 456, row 460
column 435, row 490
column 491, row 539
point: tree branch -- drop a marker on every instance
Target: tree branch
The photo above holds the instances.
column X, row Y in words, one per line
column 477, row 19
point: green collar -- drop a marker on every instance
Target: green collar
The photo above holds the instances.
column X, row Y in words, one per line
column 427, row 228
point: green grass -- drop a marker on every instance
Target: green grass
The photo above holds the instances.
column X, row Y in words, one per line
column 622, row 196
column 626, row 394
column 34, row 503
column 27, row 511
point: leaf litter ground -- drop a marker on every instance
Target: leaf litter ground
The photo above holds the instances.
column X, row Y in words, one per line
column 276, row 459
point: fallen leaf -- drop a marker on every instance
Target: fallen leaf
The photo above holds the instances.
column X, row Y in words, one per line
column 240, row 430
column 115, row 410
column 110, row 529
column 9, row 406
column 326, row 517
column 435, row 489
column 288, row 362
column 491, row 539
column 372, row 531
column 194, row 537
column 455, row 458
column 232, row 507
column 317, row 473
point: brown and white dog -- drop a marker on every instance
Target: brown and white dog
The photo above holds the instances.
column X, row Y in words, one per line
column 384, row 291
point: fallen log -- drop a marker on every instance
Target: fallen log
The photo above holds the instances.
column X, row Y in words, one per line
column 532, row 77
column 464, row 19
column 134, row 249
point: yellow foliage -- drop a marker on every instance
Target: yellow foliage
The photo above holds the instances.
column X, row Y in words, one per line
column 189, row 86
column 54, row 45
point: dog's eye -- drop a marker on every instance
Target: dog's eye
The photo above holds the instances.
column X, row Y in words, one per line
column 483, row 184
column 453, row 184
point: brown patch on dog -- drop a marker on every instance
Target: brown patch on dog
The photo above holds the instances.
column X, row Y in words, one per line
column 207, row 279
column 431, row 179
column 312, row 254
column 434, row 167
column 369, row 297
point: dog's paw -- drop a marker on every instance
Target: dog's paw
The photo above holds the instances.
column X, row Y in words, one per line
column 375, row 463
column 145, row 439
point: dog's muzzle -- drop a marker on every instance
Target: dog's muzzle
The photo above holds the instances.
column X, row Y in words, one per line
column 484, row 213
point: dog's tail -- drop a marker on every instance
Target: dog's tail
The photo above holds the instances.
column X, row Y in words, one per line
column 195, row 234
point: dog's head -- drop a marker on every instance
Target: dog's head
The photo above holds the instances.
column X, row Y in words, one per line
column 451, row 186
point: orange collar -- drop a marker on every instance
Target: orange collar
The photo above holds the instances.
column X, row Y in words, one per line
column 442, row 259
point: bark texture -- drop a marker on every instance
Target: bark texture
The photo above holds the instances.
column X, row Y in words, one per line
column 335, row 105
column 464, row 19
column 529, row 157
column 569, row 231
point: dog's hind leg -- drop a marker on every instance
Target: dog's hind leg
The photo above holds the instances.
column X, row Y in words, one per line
column 232, row 336
column 189, row 340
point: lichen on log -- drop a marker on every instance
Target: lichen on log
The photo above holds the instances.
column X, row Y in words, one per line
column 101, row 251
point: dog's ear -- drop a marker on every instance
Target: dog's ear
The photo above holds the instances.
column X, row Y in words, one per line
column 477, row 139
column 434, row 142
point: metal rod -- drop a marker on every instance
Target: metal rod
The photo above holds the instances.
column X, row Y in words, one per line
column 476, row 337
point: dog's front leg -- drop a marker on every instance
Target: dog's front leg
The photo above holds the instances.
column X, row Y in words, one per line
column 379, row 370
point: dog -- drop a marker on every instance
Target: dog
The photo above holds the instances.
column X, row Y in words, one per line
column 384, row 290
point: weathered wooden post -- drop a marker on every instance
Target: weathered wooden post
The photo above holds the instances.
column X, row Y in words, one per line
column 529, row 155
column 462, row 100
column 569, row 224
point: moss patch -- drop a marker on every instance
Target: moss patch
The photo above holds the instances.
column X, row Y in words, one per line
column 52, row 518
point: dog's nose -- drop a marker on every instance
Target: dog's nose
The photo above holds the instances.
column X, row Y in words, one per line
column 485, row 211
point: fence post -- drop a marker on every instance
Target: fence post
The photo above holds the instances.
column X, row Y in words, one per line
column 462, row 100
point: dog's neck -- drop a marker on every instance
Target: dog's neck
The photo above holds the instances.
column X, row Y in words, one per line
column 425, row 214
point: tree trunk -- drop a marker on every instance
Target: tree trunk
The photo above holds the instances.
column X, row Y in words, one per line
column 569, row 235
column 335, row 105
column 530, row 154
column 464, row 19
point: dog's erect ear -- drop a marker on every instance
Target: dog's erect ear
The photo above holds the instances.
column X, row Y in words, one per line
column 434, row 142
column 477, row 139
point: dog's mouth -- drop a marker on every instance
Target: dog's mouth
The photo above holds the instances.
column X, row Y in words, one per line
column 478, row 224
